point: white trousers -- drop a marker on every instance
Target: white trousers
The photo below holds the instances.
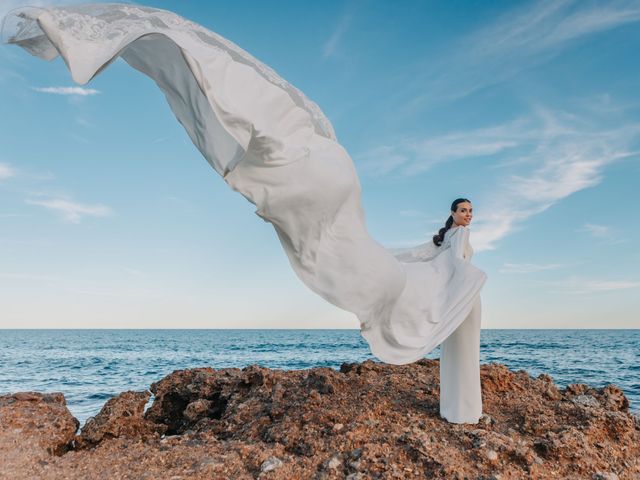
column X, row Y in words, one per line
column 460, row 394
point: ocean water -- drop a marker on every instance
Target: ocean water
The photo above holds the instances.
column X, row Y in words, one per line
column 91, row 366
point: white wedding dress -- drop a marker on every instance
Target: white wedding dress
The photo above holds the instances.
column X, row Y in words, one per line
column 274, row 146
column 460, row 391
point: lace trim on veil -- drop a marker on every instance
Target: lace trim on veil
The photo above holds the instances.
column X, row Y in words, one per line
column 89, row 23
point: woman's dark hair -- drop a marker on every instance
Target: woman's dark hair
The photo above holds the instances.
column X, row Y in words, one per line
column 439, row 237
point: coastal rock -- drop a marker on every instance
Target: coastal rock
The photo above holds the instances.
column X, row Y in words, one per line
column 614, row 398
column 122, row 417
column 34, row 429
column 364, row 421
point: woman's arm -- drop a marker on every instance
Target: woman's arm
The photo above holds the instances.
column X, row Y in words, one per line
column 459, row 241
column 420, row 253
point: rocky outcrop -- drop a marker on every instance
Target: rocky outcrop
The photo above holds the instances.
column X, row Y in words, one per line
column 367, row 420
column 34, row 429
column 121, row 417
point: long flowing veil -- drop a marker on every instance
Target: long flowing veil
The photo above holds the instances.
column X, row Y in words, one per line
column 275, row 147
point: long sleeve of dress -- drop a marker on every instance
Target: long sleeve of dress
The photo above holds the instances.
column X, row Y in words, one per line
column 459, row 242
column 420, row 253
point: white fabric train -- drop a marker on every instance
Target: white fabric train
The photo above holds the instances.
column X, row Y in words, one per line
column 276, row 148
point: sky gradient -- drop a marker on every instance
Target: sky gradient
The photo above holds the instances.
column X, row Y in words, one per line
column 111, row 218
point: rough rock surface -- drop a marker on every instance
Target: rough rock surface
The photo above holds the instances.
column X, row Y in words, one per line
column 368, row 420
column 34, row 427
column 121, row 417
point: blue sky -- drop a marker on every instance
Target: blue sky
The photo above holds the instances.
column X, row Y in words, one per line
column 110, row 217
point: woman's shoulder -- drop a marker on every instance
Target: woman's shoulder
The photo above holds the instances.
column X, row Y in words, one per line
column 454, row 229
column 451, row 233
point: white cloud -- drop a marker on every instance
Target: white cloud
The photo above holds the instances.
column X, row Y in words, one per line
column 133, row 272
column 330, row 46
column 414, row 155
column 382, row 160
column 497, row 223
column 545, row 156
column 424, row 217
column 604, row 104
column 162, row 139
column 115, row 291
column 79, row 138
column 601, row 231
column 592, row 19
column 529, row 267
column 26, row 276
column 604, row 233
column 601, row 286
column 67, row 90
column 521, row 39
column 580, row 285
column 72, row 212
column 411, row 213
column 6, row 171
column 80, row 120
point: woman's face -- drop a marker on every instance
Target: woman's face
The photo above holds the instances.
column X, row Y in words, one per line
column 463, row 214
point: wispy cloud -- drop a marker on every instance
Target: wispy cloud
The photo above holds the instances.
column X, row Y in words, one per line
column 414, row 155
column 162, row 139
column 423, row 217
column 604, row 104
column 81, row 91
column 384, row 159
column 540, row 159
column 581, row 285
column 134, row 272
column 6, row 171
column 24, row 173
column 331, row 45
column 529, row 267
column 71, row 211
column 521, row 39
column 601, row 231
column 81, row 120
column 26, row 276
column 412, row 213
column 31, row 242
column 604, row 233
column 78, row 138
column 110, row 292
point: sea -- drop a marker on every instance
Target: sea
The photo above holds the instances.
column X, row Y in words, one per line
column 90, row 366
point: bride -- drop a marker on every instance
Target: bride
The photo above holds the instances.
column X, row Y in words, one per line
column 460, row 391
column 275, row 147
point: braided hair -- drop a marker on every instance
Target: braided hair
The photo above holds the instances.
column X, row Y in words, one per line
column 439, row 237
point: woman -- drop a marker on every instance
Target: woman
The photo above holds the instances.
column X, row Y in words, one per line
column 275, row 147
column 460, row 392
